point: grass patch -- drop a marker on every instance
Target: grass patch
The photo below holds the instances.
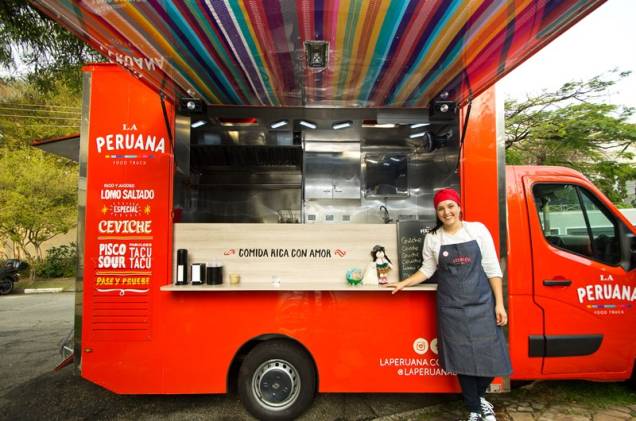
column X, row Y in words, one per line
column 568, row 395
column 590, row 394
column 67, row 283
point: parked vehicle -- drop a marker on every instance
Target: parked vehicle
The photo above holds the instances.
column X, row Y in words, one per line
column 10, row 274
column 217, row 239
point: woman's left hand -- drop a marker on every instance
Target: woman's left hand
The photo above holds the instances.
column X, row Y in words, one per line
column 502, row 316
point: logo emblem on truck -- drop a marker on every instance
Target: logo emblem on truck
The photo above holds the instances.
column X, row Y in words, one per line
column 420, row 346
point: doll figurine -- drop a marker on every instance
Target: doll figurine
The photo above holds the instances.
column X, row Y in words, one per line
column 382, row 264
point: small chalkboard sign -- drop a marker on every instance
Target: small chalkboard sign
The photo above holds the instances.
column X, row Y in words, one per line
column 410, row 236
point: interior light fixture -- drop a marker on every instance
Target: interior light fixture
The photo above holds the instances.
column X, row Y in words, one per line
column 416, row 135
column 418, row 125
column 198, row 123
column 308, row 124
column 341, row 125
column 189, row 106
column 278, row 124
column 442, row 110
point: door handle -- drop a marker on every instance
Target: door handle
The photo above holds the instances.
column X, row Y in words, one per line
column 557, row 282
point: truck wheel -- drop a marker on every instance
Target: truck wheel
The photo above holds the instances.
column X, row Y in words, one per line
column 6, row 286
column 277, row 381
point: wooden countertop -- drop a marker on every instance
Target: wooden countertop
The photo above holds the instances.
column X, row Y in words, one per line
column 318, row 255
column 243, row 287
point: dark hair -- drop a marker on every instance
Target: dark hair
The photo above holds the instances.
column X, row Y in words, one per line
column 438, row 225
column 378, row 248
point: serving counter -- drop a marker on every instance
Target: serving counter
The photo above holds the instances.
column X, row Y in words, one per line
column 287, row 257
column 298, row 286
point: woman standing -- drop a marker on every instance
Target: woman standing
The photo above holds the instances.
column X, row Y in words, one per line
column 470, row 308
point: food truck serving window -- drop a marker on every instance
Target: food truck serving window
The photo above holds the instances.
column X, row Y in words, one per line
column 302, row 166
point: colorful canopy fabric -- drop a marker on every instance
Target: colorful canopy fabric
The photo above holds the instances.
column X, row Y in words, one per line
column 382, row 53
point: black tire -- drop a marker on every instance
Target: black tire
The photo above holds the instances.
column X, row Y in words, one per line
column 6, row 286
column 277, row 380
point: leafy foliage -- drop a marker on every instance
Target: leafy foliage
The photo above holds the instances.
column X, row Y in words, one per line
column 37, row 198
column 27, row 113
column 569, row 127
column 51, row 53
column 38, row 192
column 59, row 262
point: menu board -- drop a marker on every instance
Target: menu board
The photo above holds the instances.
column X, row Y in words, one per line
column 410, row 235
column 128, row 194
column 128, row 207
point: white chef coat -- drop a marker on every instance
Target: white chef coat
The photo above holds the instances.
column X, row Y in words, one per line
column 469, row 231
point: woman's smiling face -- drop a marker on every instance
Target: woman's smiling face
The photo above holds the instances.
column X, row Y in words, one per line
column 448, row 212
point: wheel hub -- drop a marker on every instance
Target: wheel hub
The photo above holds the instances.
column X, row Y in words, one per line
column 276, row 384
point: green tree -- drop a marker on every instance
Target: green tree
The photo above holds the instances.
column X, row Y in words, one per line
column 572, row 127
column 28, row 113
column 37, row 191
column 41, row 100
column 37, row 199
column 28, row 38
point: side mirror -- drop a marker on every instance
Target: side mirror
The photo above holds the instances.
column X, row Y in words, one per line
column 627, row 241
column 630, row 246
column 632, row 261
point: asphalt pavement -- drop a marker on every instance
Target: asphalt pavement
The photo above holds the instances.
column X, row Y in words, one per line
column 31, row 326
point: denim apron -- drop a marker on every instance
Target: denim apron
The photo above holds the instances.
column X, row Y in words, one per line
column 469, row 340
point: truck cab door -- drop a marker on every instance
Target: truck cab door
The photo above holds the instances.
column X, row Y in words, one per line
column 581, row 281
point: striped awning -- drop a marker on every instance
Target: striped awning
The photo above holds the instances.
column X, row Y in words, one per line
column 381, row 53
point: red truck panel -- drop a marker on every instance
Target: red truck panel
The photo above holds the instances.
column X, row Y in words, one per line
column 128, row 230
column 572, row 311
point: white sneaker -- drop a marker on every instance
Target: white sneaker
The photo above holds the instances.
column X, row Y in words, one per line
column 474, row 416
column 487, row 411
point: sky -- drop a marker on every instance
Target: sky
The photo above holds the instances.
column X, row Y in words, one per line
column 603, row 40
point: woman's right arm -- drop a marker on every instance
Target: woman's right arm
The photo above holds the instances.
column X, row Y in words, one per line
column 414, row 279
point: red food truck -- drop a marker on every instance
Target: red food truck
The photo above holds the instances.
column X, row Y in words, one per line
column 239, row 160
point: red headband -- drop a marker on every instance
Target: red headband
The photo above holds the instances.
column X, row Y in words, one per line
column 445, row 194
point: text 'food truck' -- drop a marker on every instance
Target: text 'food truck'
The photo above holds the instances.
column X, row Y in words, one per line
column 240, row 161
